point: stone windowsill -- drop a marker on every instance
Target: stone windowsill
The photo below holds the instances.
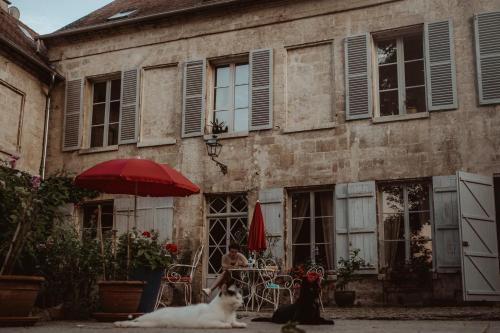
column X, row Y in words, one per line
column 387, row 119
column 97, row 150
column 314, row 128
column 223, row 136
column 156, row 142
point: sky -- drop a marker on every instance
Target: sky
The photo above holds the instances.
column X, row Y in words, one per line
column 46, row 16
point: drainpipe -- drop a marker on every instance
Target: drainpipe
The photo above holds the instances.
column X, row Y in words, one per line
column 46, row 125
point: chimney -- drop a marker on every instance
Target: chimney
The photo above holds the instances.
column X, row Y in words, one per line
column 4, row 5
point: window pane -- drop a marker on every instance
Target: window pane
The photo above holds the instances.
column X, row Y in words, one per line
column 421, row 254
column 420, row 226
column 414, row 73
column 222, row 76
column 413, row 47
column 221, row 98
column 241, row 97
column 388, row 77
column 241, row 76
column 387, row 52
column 115, row 89
column 97, row 136
column 113, row 134
column 222, row 117
column 300, row 205
column 323, row 203
column 99, row 92
column 394, row 228
column 301, row 254
column 418, row 197
column 415, row 100
column 241, row 120
column 114, row 112
column 324, row 255
column 98, row 114
column 389, row 103
column 301, row 230
column 323, row 229
column 392, row 198
column 394, row 254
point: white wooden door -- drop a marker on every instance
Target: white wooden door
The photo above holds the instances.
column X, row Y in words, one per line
column 479, row 252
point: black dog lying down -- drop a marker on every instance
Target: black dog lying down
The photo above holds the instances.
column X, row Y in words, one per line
column 305, row 311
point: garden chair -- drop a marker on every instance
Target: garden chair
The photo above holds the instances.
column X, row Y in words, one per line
column 180, row 274
column 321, row 272
column 273, row 283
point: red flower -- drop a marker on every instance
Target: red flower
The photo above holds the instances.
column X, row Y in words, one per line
column 146, row 234
column 171, row 247
column 312, row 276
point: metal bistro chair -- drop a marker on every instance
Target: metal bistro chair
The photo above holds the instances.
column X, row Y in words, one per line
column 321, row 272
column 179, row 274
column 274, row 283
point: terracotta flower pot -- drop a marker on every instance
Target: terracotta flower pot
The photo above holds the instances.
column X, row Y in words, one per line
column 120, row 296
column 345, row 297
column 18, row 294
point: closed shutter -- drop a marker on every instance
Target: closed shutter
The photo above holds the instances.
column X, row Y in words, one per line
column 446, row 227
column 356, row 222
column 73, row 115
column 193, row 104
column 261, row 89
column 358, row 77
column 440, row 66
column 129, row 115
column 152, row 213
column 271, row 201
column 487, row 34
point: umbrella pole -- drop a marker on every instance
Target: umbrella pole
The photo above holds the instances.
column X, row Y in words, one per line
column 128, row 240
column 99, row 234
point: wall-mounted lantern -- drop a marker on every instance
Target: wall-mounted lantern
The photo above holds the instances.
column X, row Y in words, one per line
column 213, row 149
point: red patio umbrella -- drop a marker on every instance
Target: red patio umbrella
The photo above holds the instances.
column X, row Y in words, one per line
column 257, row 234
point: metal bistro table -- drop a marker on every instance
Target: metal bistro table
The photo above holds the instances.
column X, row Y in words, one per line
column 250, row 278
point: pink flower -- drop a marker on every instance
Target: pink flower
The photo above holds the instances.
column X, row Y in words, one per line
column 35, row 182
column 13, row 161
column 146, row 234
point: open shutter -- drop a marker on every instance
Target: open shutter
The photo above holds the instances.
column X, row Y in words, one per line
column 73, row 115
column 358, row 77
column 271, row 201
column 356, row 222
column 446, row 233
column 261, row 89
column 129, row 115
column 152, row 213
column 487, row 35
column 440, row 66
column 193, row 99
column 476, row 202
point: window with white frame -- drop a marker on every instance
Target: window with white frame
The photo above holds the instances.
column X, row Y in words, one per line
column 401, row 73
column 105, row 122
column 231, row 97
column 97, row 219
column 406, row 227
column 312, row 228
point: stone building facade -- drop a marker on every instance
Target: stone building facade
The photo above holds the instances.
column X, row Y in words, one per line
column 348, row 120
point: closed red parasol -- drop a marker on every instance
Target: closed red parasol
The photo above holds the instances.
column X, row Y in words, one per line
column 257, row 234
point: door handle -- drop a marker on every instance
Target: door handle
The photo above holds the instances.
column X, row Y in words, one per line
column 465, row 243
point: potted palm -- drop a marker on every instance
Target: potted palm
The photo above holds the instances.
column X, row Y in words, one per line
column 345, row 274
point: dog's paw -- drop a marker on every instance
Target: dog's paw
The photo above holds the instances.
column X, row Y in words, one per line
column 238, row 324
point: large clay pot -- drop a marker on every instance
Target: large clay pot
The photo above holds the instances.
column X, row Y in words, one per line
column 18, row 294
column 345, row 297
column 120, row 296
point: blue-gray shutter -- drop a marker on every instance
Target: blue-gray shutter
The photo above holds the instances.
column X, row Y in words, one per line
column 446, row 224
column 487, row 35
column 193, row 99
column 440, row 66
column 73, row 115
column 358, row 90
column 129, row 109
column 261, row 89
column 271, row 201
column 356, row 222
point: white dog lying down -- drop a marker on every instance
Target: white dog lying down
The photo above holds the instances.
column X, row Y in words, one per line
column 220, row 313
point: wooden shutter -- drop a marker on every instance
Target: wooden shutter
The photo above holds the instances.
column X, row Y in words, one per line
column 479, row 254
column 440, row 66
column 358, row 90
column 129, row 115
column 73, row 115
column 152, row 213
column 446, row 233
column 193, row 104
column 271, row 201
column 261, row 89
column 487, row 35
column 356, row 222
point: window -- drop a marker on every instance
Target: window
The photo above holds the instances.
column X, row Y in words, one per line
column 231, row 97
column 227, row 223
column 91, row 219
column 312, row 228
column 105, row 113
column 401, row 74
column 406, row 221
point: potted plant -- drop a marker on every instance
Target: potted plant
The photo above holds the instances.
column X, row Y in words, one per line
column 345, row 274
column 218, row 126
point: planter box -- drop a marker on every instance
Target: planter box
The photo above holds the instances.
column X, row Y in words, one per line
column 18, row 294
column 120, row 296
